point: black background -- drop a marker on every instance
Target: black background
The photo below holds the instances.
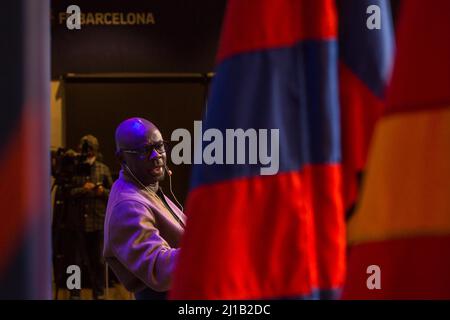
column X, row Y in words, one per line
column 183, row 39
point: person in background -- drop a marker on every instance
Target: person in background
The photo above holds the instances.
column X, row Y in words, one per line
column 89, row 197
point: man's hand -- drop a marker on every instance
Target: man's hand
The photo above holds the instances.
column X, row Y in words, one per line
column 100, row 190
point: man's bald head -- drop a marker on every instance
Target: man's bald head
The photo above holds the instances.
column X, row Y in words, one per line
column 134, row 133
column 140, row 149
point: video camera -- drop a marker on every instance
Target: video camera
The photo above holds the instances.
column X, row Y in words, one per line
column 67, row 163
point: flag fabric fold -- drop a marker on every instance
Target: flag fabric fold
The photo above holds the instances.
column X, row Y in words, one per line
column 275, row 236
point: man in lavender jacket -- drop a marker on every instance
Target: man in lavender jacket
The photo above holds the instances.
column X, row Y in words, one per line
column 142, row 226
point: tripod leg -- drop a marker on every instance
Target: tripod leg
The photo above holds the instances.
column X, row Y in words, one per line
column 106, row 281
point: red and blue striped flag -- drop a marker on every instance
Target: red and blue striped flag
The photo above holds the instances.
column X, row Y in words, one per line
column 402, row 224
column 365, row 63
column 25, row 261
column 252, row 236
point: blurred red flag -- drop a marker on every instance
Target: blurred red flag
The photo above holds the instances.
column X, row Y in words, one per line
column 365, row 64
column 25, row 260
column 402, row 224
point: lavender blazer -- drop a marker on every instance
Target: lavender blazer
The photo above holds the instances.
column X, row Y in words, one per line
column 141, row 236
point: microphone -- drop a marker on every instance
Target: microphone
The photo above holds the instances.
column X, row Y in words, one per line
column 169, row 172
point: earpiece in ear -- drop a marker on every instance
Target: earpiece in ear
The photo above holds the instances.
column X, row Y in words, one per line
column 169, row 172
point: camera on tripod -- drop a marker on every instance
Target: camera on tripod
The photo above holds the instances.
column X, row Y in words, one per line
column 67, row 167
column 67, row 163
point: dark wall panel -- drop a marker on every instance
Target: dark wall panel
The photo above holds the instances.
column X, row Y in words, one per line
column 184, row 37
column 98, row 107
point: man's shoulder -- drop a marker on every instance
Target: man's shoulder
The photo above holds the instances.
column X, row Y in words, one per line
column 125, row 201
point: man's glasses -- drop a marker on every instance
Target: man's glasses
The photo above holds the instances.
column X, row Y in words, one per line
column 146, row 151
